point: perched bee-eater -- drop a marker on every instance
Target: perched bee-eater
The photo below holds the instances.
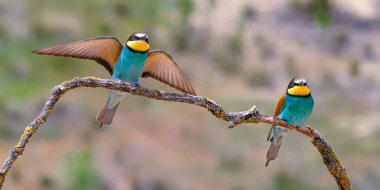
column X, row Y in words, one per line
column 295, row 107
column 127, row 63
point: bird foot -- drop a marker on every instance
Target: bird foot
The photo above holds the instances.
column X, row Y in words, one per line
column 232, row 125
column 136, row 85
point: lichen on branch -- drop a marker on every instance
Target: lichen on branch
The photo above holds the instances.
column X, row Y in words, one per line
column 253, row 115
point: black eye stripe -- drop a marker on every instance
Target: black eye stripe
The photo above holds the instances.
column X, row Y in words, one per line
column 139, row 37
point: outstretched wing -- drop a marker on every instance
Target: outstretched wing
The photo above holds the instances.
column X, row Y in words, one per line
column 103, row 50
column 279, row 107
column 161, row 66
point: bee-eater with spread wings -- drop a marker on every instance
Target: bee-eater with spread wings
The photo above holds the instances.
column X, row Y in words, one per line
column 127, row 63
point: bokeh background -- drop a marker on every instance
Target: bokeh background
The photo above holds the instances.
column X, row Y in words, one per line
column 238, row 53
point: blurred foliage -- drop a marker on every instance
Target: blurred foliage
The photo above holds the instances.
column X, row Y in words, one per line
column 290, row 66
column 182, row 32
column 16, row 175
column 369, row 51
column 372, row 181
column 258, row 79
column 329, row 82
column 249, row 13
column 285, row 181
column 230, row 163
column 81, row 171
column 46, row 182
column 322, row 11
column 185, row 8
column 6, row 132
column 265, row 46
column 236, row 41
column 341, row 40
column 227, row 64
column 151, row 185
column 319, row 10
column 354, row 68
column 159, row 185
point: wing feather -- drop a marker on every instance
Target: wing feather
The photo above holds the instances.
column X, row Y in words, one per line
column 161, row 66
column 279, row 107
column 103, row 50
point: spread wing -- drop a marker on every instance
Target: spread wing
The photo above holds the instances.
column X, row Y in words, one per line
column 279, row 107
column 159, row 65
column 103, row 50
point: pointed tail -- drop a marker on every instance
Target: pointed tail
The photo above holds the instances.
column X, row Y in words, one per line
column 276, row 136
column 106, row 115
column 272, row 152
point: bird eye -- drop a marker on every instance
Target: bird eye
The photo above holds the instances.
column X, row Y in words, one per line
column 294, row 84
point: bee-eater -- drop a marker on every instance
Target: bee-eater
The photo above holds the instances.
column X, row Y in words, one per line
column 127, row 63
column 295, row 107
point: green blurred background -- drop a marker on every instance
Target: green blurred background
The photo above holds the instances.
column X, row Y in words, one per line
column 238, row 53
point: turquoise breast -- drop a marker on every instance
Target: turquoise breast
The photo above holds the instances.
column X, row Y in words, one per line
column 130, row 66
column 297, row 109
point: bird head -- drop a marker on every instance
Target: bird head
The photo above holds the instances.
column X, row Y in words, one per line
column 138, row 42
column 298, row 87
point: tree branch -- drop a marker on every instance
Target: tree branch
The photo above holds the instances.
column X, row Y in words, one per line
column 329, row 157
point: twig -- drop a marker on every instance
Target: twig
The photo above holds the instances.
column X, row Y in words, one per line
column 330, row 159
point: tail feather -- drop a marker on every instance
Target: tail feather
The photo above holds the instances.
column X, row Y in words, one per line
column 272, row 152
column 269, row 137
column 106, row 115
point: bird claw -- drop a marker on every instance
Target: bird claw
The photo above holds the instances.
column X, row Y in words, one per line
column 136, row 85
column 232, row 125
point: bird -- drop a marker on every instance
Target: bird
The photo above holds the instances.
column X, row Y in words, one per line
column 129, row 63
column 295, row 107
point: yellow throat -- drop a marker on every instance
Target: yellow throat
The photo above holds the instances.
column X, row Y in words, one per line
column 299, row 91
column 139, row 45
